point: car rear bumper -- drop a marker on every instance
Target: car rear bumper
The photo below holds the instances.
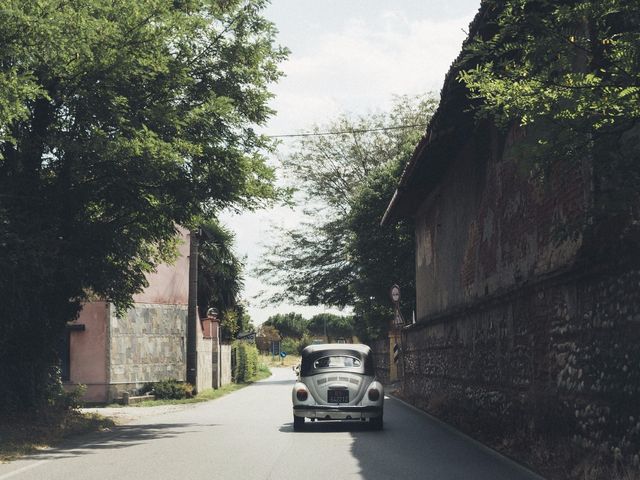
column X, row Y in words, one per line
column 337, row 412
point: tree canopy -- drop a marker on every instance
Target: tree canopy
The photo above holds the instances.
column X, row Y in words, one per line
column 118, row 121
column 298, row 331
column 575, row 63
column 569, row 73
column 221, row 278
column 332, row 325
column 342, row 256
column 291, row 324
column 381, row 255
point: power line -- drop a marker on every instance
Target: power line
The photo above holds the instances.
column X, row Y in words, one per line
column 343, row 132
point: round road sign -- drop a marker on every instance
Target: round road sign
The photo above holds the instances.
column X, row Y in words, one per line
column 395, row 293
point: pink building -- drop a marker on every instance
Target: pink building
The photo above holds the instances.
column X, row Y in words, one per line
column 111, row 354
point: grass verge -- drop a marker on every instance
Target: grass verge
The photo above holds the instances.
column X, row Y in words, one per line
column 210, row 393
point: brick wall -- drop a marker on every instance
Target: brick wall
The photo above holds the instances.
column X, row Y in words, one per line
column 491, row 225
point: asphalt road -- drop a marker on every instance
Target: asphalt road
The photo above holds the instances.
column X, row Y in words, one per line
column 249, row 435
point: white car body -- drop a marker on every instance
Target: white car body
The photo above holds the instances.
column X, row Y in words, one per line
column 337, row 382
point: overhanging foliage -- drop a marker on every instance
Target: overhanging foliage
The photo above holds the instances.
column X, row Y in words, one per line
column 568, row 73
column 118, row 120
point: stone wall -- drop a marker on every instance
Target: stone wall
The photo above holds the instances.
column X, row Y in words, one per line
column 521, row 329
column 147, row 345
column 558, row 358
column 205, row 347
column 225, row 364
column 381, row 359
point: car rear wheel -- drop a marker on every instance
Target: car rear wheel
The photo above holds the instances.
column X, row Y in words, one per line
column 376, row 423
column 298, row 422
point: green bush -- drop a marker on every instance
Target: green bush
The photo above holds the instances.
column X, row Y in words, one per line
column 172, row 389
column 72, row 400
column 146, row 388
column 59, row 398
column 294, row 346
column 245, row 364
column 290, row 345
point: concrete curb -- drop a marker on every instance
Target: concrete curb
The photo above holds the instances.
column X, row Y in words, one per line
column 493, row 452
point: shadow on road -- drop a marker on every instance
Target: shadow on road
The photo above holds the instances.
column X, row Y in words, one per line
column 415, row 446
column 122, row 436
column 328, row 426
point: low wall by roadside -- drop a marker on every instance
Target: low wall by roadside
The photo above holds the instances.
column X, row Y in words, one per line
column 381, row 359
column 225, row 364
column 205, row 348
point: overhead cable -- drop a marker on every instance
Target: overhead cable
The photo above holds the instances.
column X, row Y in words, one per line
column 344, row 132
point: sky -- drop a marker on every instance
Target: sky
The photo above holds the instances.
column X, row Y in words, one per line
column 347, row 56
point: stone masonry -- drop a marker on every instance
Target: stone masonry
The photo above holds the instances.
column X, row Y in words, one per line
column 562, row 357
column 148, row 344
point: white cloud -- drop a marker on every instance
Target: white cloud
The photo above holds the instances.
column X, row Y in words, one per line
column 359, row 68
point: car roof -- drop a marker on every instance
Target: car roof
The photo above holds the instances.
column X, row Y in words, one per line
column 357, row 347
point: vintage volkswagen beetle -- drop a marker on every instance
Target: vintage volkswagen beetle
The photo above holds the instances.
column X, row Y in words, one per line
column 337, row 382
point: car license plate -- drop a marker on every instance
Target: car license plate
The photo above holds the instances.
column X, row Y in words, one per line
column 338, row 396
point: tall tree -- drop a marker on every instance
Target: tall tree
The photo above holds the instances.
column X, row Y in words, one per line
column 266, row 335
column 220, row 276
column 118, row 120
column 328, row 260
column 383, row 255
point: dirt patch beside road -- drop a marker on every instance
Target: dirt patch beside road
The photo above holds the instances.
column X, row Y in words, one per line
column 123, row 415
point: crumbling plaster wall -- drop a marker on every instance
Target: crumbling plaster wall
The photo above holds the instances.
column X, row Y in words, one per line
column 516, row 331
column 489, row 225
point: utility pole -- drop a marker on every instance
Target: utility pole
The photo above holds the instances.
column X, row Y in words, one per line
column 192, row 309
column 395, row 336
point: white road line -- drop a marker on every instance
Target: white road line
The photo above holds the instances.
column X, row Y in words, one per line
column 23, row 469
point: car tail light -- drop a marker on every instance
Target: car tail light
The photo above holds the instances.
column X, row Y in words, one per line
column 374, row 394
column 302, row 394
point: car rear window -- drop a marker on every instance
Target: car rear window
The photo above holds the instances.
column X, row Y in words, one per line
column 337, row 361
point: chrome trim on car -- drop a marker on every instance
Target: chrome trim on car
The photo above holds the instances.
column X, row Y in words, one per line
column 336, row 408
